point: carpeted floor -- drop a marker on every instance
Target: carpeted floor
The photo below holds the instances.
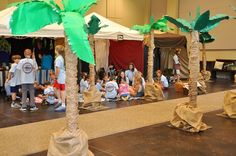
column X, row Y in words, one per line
column 34, row 137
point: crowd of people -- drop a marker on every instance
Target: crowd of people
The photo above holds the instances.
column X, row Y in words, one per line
column 21, row 80
column 121, row 84
column 113, row 84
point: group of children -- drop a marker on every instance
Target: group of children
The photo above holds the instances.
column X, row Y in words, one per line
column 123, row 85
column 22, row 76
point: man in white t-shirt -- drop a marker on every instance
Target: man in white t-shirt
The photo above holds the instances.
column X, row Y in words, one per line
column 111, row 89
column 60, row 74
column 27, row 69
column 176, row 64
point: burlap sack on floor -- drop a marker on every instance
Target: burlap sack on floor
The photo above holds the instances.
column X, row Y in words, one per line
column 179, row 86
column 188, row 118
column 92, row 96
column 201, row 81
column 206, row 75
column 64, row 143
column 153, row 92
column 229, row 105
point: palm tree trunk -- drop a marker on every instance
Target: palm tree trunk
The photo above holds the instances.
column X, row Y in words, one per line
column 194, row 68
column 71, row 89
column 150, row 57
column 91, row 66
column 204, row 57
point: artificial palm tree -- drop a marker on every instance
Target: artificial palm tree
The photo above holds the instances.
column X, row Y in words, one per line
column 201, row 24
column 150, row 90
column 31, row 16
column 93, row 95
column 205, row 38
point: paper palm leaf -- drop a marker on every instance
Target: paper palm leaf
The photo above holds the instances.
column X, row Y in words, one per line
column 50, row 2
column 146, row 29
column 94, row 25
column 180, row 23
column 161, row 25
column 198, row 13
column 81, row 6
column 152, row 20
column 32, row 16
column 214, row 22
column 202, row 21
column 206, row 38
column 74, row 27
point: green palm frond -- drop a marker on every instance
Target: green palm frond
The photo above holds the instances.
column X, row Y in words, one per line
column 198, row 13
column 80, row 6
column 74, row 26
column 214, row 22
column 202, row 21
column 32, row 16
column 94, row 25
column 146, row 29
column 180, row 23
column 161, row 25
column 206, row 38
column 152, row 20
column 50, row 2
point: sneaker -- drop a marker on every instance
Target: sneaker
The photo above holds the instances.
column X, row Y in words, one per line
column 57, row 105
column 15, row 105
column 23, row 109
column 60, row 109
column 33, row 108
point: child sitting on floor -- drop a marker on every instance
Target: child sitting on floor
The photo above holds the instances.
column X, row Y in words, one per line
column 84, row 83
column 124, row 90
column 137, row 90
column 111, row 88
column 49, row 94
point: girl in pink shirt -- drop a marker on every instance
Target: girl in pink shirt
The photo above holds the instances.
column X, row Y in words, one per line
column 124, row 90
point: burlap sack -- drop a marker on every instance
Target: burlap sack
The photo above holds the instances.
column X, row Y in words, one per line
column 229, row 105
column 188, row 118
column 153, row 92
column 201, row 81
column 179, row 86
column 64, row 143
column 92, row 96
column 206, row 75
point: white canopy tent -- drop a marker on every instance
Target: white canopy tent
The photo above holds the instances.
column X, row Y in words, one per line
column 113, row 31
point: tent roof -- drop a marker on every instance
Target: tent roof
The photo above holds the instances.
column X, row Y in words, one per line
column 166, row 40
column 113, row 31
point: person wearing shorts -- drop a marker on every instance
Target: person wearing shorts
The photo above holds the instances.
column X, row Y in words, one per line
column 12, row 80
column 60, row 78
column 176, row 64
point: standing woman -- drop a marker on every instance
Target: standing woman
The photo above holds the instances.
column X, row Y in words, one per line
column 60, row 78
column 130, row 73
column 176, row 64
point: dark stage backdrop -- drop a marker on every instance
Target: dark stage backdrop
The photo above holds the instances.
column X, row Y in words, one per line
column 123, row 52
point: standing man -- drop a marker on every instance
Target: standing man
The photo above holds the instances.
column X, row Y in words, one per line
column 27, row 69
column 60, row 75
column 176, row 64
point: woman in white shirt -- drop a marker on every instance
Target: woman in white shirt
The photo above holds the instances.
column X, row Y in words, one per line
column 130, row 73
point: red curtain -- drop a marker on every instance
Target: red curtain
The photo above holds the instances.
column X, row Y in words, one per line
column 121, row 53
